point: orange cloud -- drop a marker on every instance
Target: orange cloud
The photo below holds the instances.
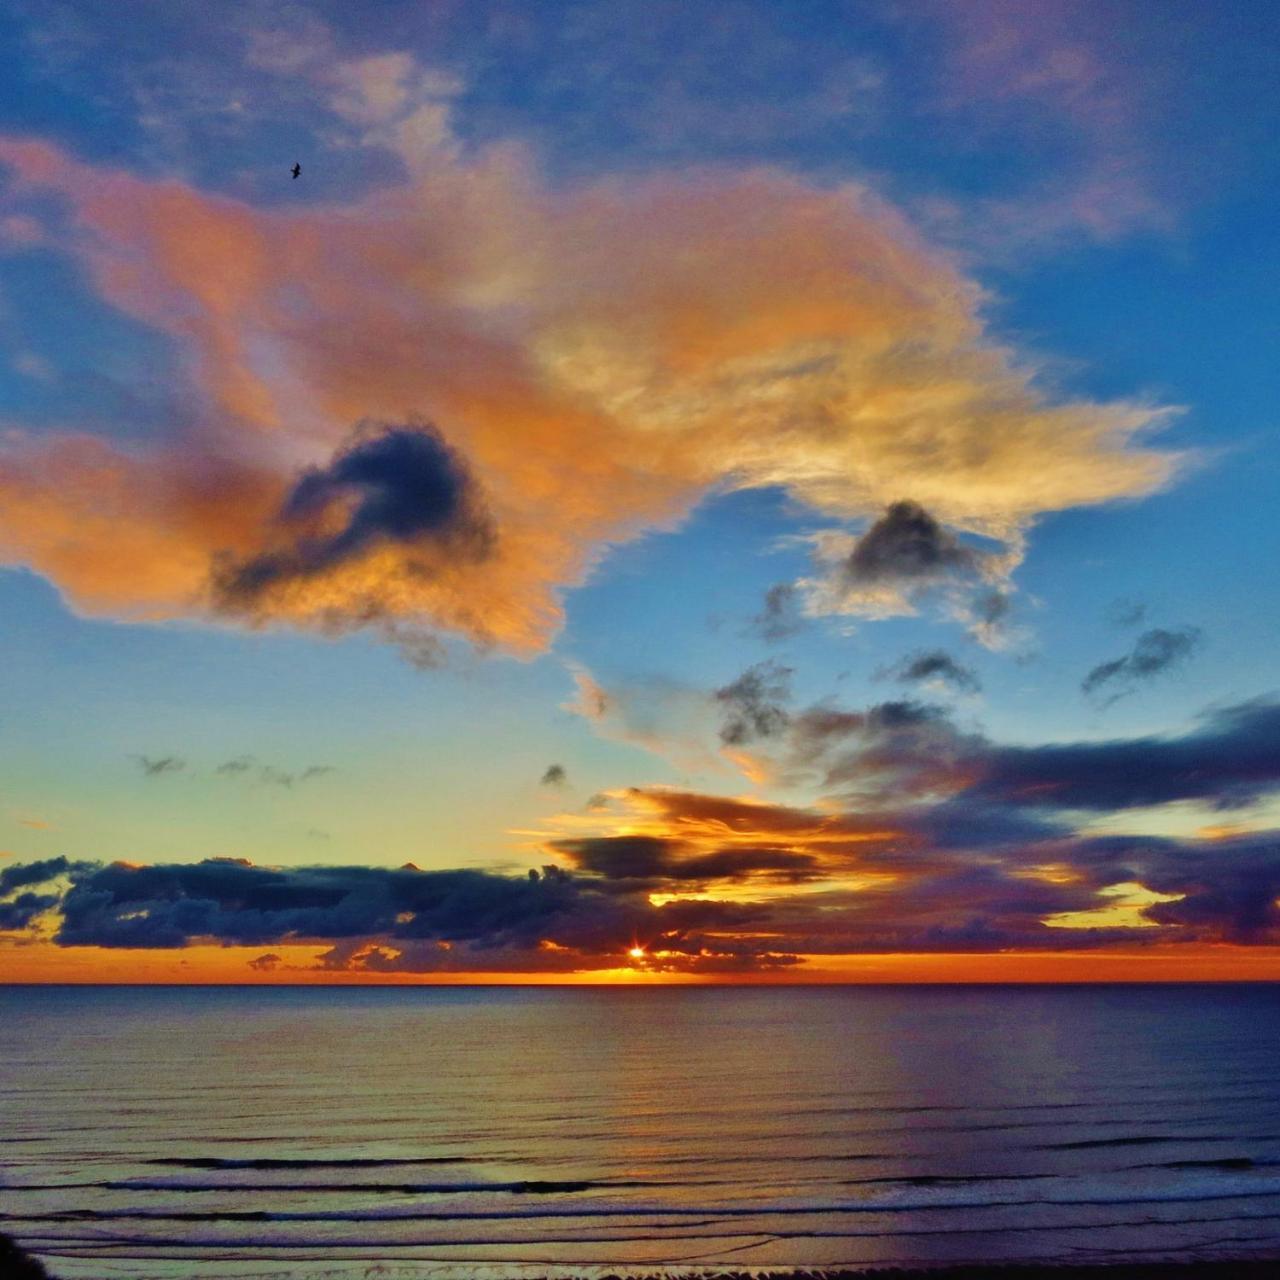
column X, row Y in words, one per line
column 601, row 357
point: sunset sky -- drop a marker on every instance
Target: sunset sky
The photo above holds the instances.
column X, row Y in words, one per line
column 673, row 491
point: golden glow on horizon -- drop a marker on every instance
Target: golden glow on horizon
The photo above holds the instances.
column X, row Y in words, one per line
column 1125, row 912
column 299, row 965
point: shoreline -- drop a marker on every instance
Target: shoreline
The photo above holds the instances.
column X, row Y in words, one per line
column 1243, row 1268
column 17, row 1264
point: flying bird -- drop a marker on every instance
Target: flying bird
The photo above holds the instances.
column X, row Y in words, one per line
column 297, row 169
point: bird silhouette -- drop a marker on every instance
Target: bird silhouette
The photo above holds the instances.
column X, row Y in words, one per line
column 297, row 169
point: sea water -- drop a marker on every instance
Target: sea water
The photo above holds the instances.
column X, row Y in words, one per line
column 213, row 1133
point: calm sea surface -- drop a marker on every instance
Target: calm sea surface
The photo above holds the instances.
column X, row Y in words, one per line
column 511, row 1132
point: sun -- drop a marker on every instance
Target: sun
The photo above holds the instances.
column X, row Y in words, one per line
column 636, row 953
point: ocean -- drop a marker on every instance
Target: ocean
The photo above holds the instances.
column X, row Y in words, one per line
column 220, row 1133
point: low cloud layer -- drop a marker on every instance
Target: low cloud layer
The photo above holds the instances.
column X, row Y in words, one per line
column 929, row 838
column 593, row 361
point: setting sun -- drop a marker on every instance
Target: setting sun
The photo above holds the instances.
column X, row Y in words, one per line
column 636, row 953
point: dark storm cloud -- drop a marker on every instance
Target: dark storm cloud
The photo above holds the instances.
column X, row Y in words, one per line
column 19, row 910
column 621, row 857
column 1231, row 758
column 753, row 703
column 654, row 859
column 554, row 776
column 933, row 664
column 907, row 545
column 1155, row 652
column 898, row 754
column 463, row 917
column 158, row 766
column 25, row 874
column 780, row 616
column 1230, row 890
column 401, row 485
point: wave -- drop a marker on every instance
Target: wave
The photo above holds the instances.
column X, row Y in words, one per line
column 79, row 1245
column 1229, row 1163
column 1152, row 1139
column 527, row 1187
column 263, row 1163
column 1216, row 1190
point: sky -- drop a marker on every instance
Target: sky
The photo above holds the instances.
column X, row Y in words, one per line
column 670, row 491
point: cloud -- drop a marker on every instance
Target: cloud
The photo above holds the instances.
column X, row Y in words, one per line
column 1228, row 759
column 269, row 962
column 392, row 490
column 554, row 776
column 594, row 359
column 25, row 874
column 18, row 910
column 907, row 545
column 657, row 714
column 1154, row 652
column 658, row 862
column 753, row 703
column 158, row 766
column 1048, row 81
column 948, row 877
column 413, row 919
column 986, row 615
column 933, row 667
column 270, row 775
column 929, row 838
column 780, row 616
column 1126, row 613
column 905, row 556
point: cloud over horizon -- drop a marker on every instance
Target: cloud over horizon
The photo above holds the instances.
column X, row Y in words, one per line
column 929, row 838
